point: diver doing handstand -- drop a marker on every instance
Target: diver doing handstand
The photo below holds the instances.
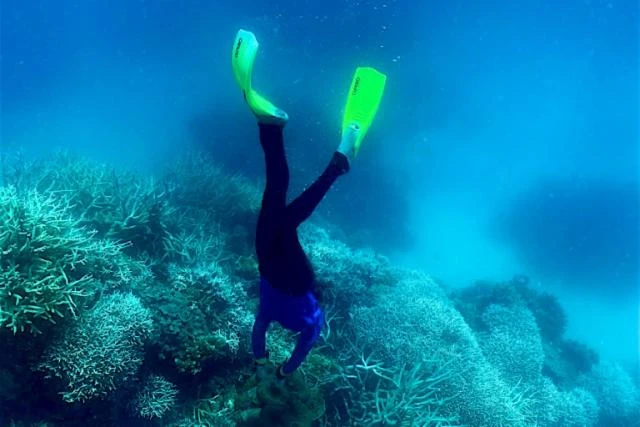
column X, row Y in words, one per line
column 287, row 280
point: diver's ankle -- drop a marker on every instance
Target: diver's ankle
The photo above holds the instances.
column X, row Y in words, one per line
column 269, row 120
column 341, row 162
column 348, row 142
column 265, row 111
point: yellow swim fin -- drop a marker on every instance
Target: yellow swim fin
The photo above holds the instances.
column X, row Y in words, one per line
column 243, row 55
column 245, row 49
column 363, row 101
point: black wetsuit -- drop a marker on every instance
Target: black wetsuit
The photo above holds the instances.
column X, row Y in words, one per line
column 287, row 285
column 282, row 261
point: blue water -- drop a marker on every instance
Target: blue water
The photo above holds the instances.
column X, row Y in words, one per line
column 507, row 141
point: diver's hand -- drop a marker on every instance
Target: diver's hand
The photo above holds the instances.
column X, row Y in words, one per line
column 281, row 376
column 262, row 372
column 262, row 367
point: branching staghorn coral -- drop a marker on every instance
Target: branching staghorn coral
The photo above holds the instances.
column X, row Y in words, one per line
column 345, row 276
column 366, row 392
column 576, row 407
column 513, row 343
column 197, row 183
column 198, row 246
column 222, row 300
column 102, row 351
column 49, row 262
column 214, row 410
column 156, row 397
column 119, row 205
column 144, row 218
column 202, row 314
column 415, row 323
column 616, row 392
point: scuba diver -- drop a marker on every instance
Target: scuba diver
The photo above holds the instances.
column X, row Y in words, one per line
column 287, row 281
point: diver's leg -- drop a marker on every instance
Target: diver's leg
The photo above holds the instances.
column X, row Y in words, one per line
column 303, row 206
column 273, row 204
column 275, row 192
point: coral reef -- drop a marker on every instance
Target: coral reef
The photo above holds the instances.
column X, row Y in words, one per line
column 50, row 263
column 156, row 398
column 102, row 350
column 139, row 293
column 616, row 393
column 513, row 344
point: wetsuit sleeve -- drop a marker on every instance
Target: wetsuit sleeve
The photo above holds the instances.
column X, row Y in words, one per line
column 306, row 340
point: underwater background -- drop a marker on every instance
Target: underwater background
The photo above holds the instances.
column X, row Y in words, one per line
column 479, row 264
